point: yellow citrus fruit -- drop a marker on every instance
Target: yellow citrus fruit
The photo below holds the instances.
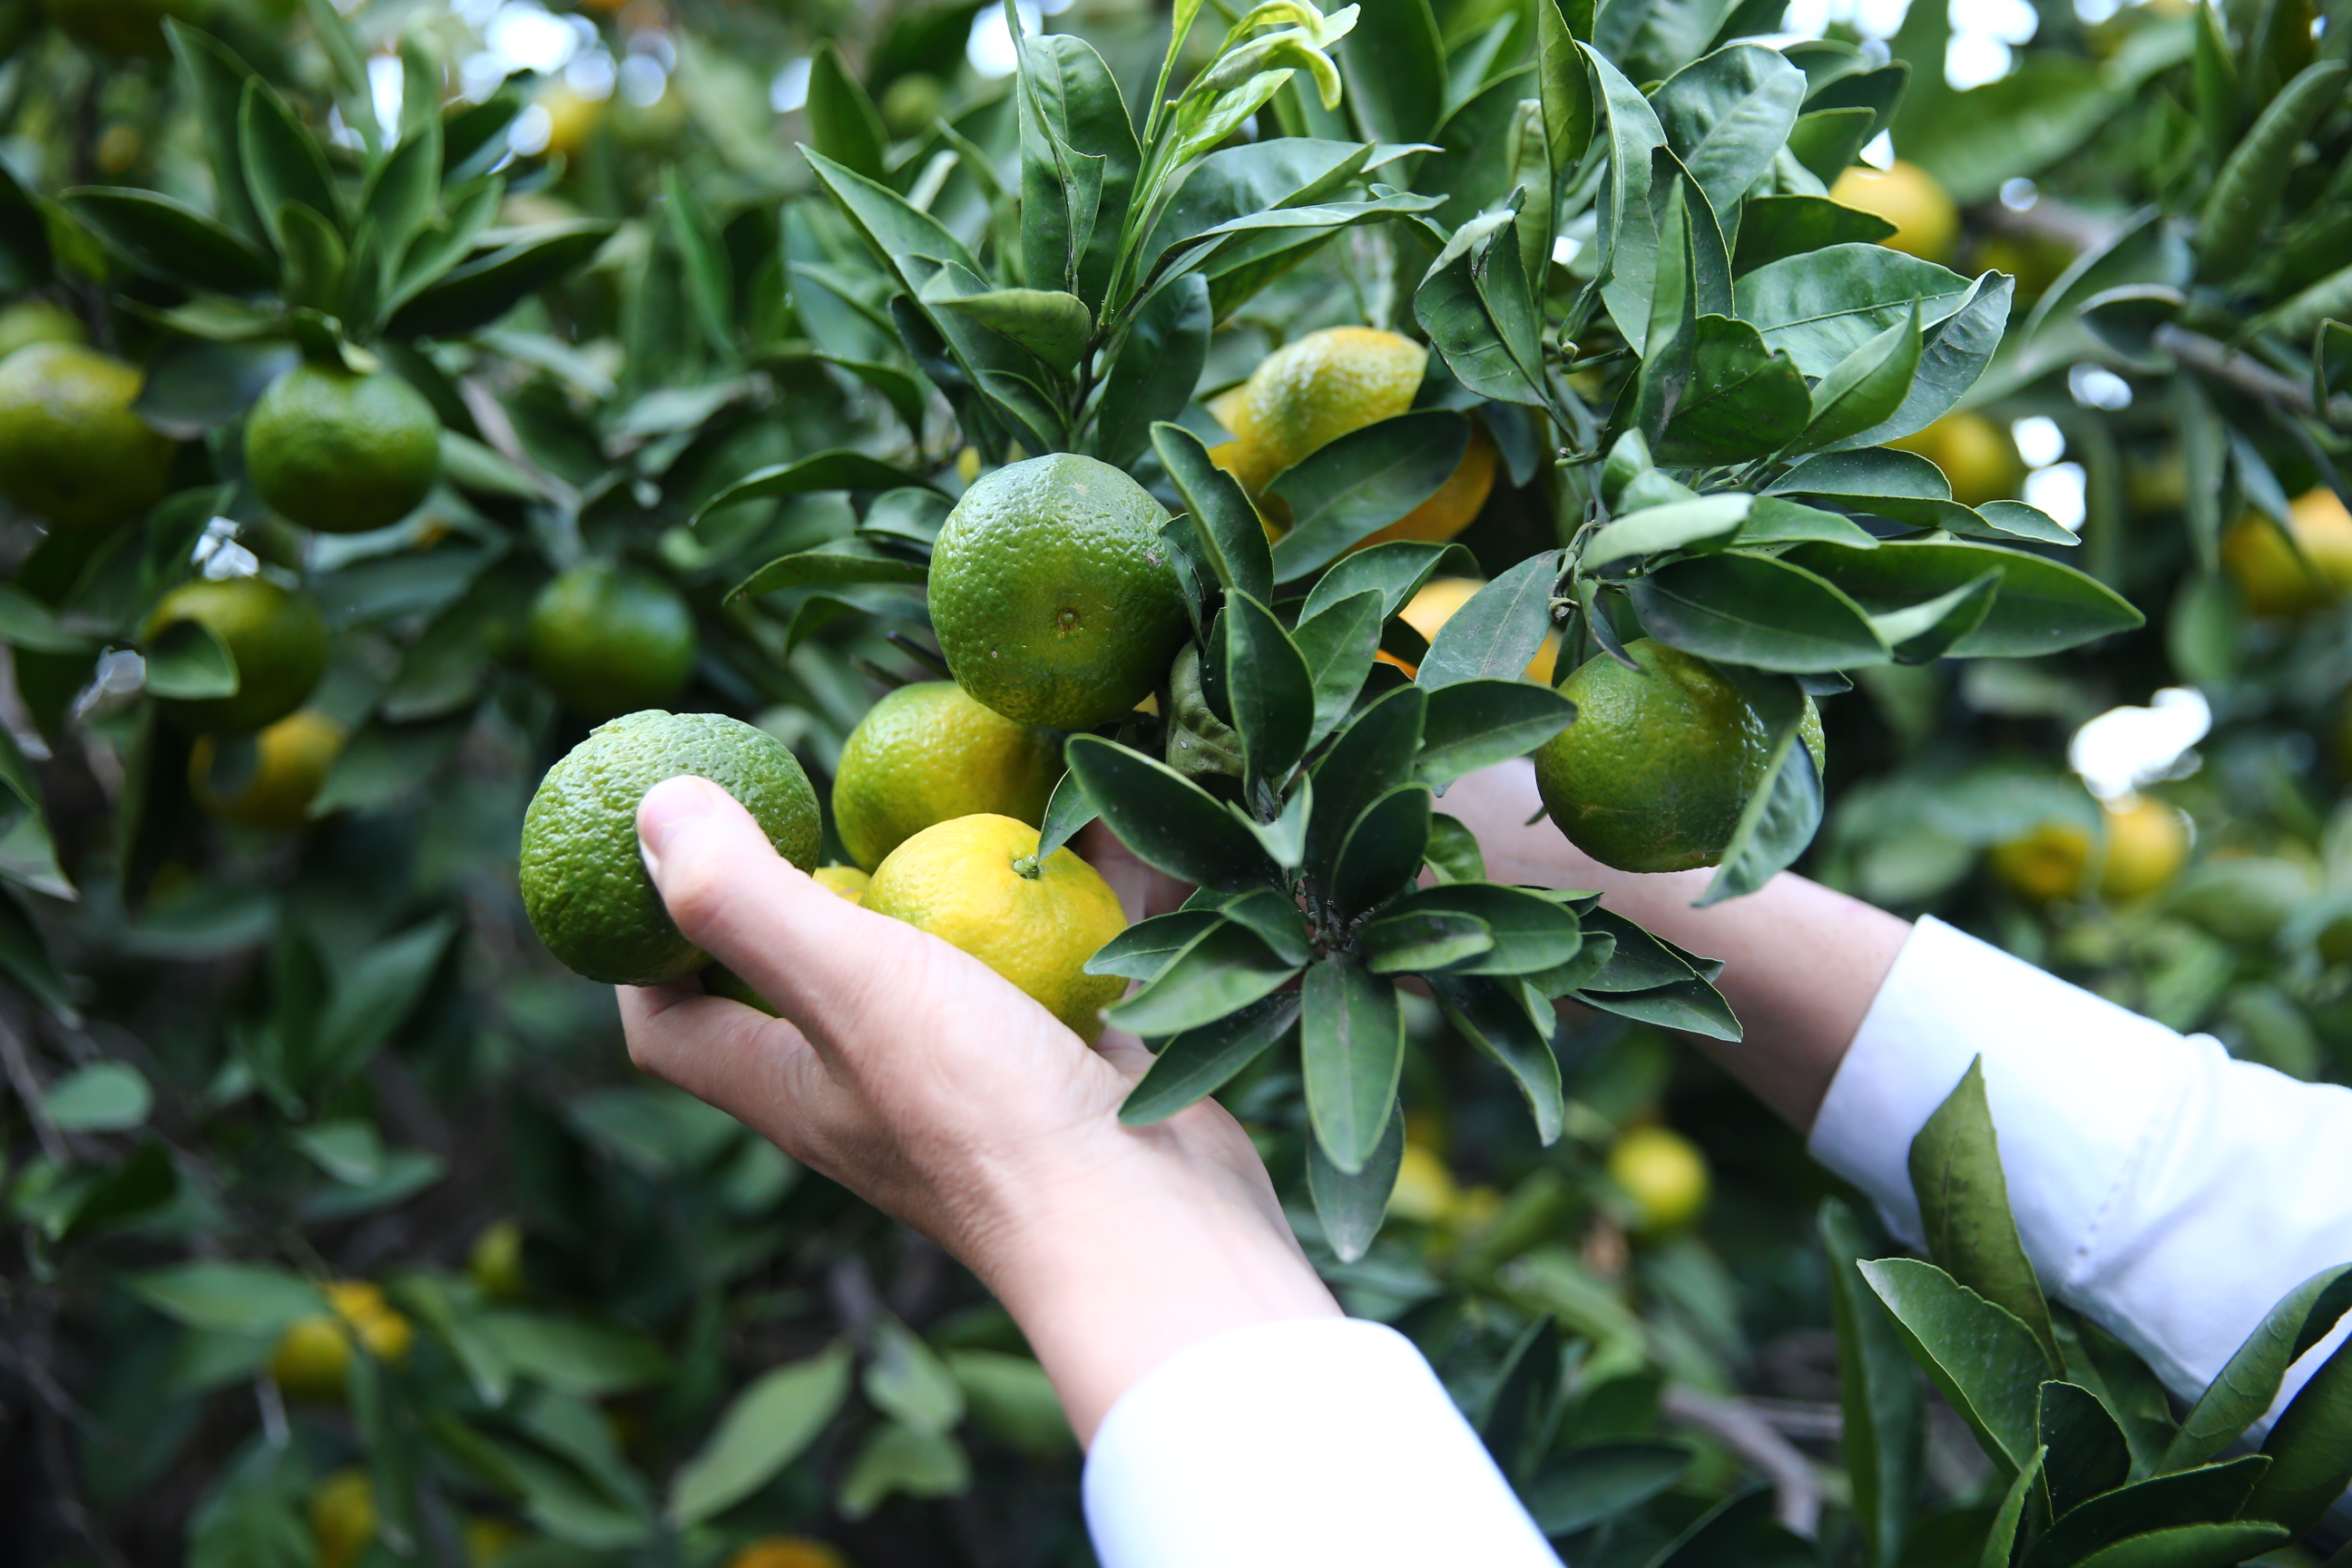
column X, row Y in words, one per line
column 789, row 1551
column 928, row 753
column 2146, row 843
column 583, row 882
column 2045, row 864
column 2275, row 580
column 272, row 786
column 976, row 883
column 572, row 115
column 341, row 452
column 1456, row 504
column 609, row 639
column 1312, row 392
column 1052, row 594
column 70, row 447
column 843, row 882
column 486, row 1539
column 277, row 638
column 1424, row 1191
column 1977, row 456
column 1441, row 596
column 496, row 1261
column 1664, row 1175
column 1926, row 222
column 1655, row 772
column 28, row 321
column 313, row 1357
column 342, row 1517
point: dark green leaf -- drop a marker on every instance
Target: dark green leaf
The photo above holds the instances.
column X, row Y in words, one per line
column 1167, row 821
column 1153, row 368
column 1351, row 1052
column 1503, row 1020
column 236, row 1298
column 841, row 565
column 1148, row 946
column 1864, row 389
column 1453, row 311
column 1414, row 942
column 1394, row 66
column 1773, row 227
column 1338, row 643
column 1353, row 487
column 1269, row 688
column 2248, row 1384
column 1598, row 1481
column 1986, row 1363
column 1454, row 853
column 2087, row 1453
column 1754, row 610
column 1693, row 1006
column 1827, row 142
column 314, row 260
column 1474, row 724
column 2000, row 1538
column 190, row 662
column 479, row 291
column 216, row 81
column 1782, row 818
column 1372, row 755
column 1726, row 114
column 1528, row 932
column 1398, row 571
column 1197, row 1063
column 1352, row 1206
column 1677, row 525
column 1822, row 305
column 1641, row 963
column 1953, row 353
column 2245, row 195
column 1067, row 810
column 282, row 161
column 1495, row 634
column 1381, row 852
column 1626, row 233
column 1880, row 1393
column 2193, row 1497
column 1078, row 164
column 2190, row 1546
column 1051, row 325
column 766, row 1427
column 1774, row 520
column 402, row 190
column 2043, row 608
column 1963, row 1198
column 2310, row 1448
column 169, row 239
column 842, row 121
column 839, row 469
column 1231, row 539
column 1925, row 631
column 1740, row 401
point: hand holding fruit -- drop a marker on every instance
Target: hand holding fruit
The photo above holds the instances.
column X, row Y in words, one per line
column 916, row 1075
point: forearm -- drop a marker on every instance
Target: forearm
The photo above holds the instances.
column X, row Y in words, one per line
column 1802, row 963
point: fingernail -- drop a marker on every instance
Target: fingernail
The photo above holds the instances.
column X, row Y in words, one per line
column 669, row 806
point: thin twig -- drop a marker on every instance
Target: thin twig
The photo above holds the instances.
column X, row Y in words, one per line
column 1747, row 1433
column 2243, row 371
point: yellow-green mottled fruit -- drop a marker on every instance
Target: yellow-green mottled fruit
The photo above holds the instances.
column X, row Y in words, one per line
column 278, row 639
column 584, row 883
column 341, row 453
column 1052, row 594
column 928, row 753
column 610, row 639
column 1661, row 760
column 70, row 447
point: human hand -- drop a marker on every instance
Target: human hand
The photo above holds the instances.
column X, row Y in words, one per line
column 917, row 1077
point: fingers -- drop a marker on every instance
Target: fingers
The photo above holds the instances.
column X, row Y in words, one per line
column 759, row 1070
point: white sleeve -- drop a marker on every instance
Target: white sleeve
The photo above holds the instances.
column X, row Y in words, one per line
column 2169, row 1193
column 1318, row 1441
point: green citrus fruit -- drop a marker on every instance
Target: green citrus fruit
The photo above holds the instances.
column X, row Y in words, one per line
column 272, row 786
column 277, row 638
column 1665, row 1175
column 70, row 447
column 1052, row 595
column 496, row 1261
column 1655, row 772
column 976, row 883
column 609, row 639
column 1312, row 392
column 928, row 753
column 341, row 452
column 584, row 883
column 29, row 322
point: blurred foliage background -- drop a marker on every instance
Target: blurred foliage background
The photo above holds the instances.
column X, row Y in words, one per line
column 340, row 1230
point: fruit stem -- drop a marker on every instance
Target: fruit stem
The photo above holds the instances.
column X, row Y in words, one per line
column 1026, row 865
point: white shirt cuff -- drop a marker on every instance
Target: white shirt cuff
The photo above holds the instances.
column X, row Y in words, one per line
column 2168, row 1191
column 1310, row 1441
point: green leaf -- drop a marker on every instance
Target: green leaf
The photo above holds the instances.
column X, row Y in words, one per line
column 574, row 1353
column 1866, row 388
column 1754, row 610
column 1154, row 366
column 1079, row 161
column 1879, row 1392
column 761, row 1432
column 1371, row 756
column 2310, row 1448
column 1355, row 486
column 104, row 1097
column 1773, row 227
column 1167, row 821
column 189, row 662
column 1783, row 814
column 2190, row 1546
column 906, row 1381
column 1417, row 941
column 1394, row 66
column 216, row 79
column 2087, row 1452
column 1740, row 401
column 1691, row 1006
column 1774, row 520
column 1352, row 1053
column 1726, row 114
column 1338, row 642
column 228, row 1297
column 1454, row 309
column 1963, row 1199
column 706, row 270
column 1925, row 631
column 1625, row 232
column 850, row 562
column 1474, row 724
column 2245, row 1388
column 1148, row 946
column 482, row 288
column 1564, row 87
column 1527, row 932
column 1398, row 571
column 1825, row 142
column 1198, row 1062
column 401, row 191
column 1067, row 810
column 2245, row 195
column 1051, row 325
column 838, row 469
column 1224, row 968
column 314, row 260
column 2190, row 1498
column 170, row 239
column 1677, row 525
column 1598, row 1481
column 842, row 121
column 2043, row 608
column 282, row 161
column 1986, row 1363
column 1953, row 353
column 1232, row 539
column 1824, row 304
column 1454, row 853
column 1495, row 634
column 1381, row 852
column 901, row 1459
column 1269, row 688
column 2001, row 1539
column 1352, row 1207
column 1500, row 1018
